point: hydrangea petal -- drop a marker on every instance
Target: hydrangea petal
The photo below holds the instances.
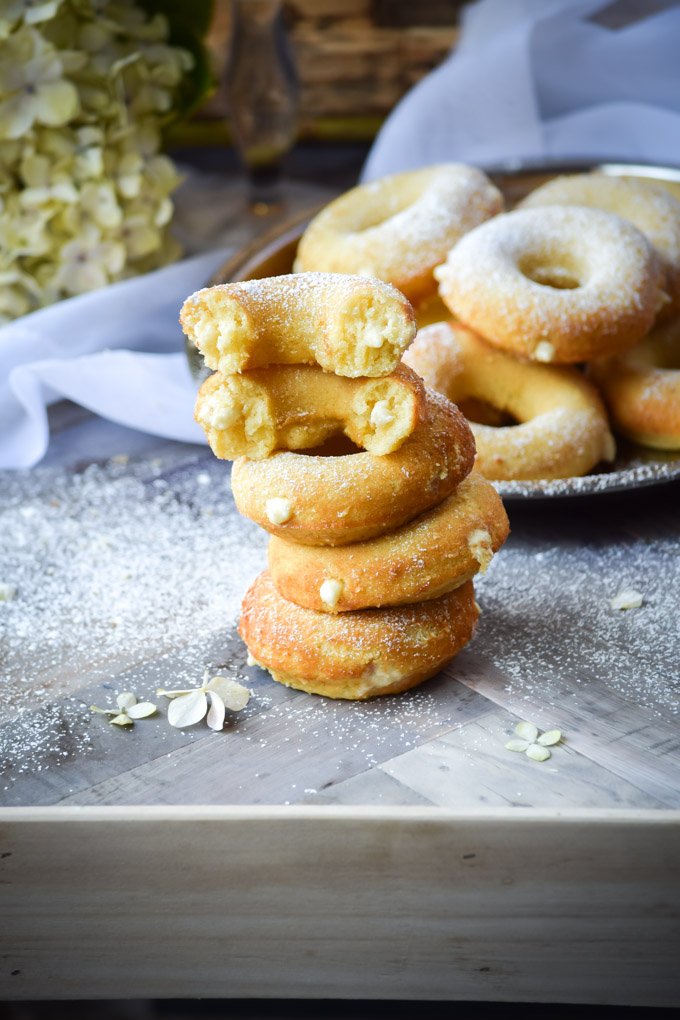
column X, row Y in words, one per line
column 188, row 709
column 56, row 102
column 142, row 710
column 527, row 731
column 537, row 753
column 234, row 695
column 216, row 712
column 549, row 738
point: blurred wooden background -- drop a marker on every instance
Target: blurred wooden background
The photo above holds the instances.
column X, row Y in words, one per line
column 355, row 58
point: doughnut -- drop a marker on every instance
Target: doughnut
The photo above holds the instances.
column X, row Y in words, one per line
column 356, row 655
column 347, row 324
column 293, row 407
column 333, row 500
column 563, row 430
column 422, row 560
column 400, row 227
column 642, row 388
column 560, row 283
column 651, row 208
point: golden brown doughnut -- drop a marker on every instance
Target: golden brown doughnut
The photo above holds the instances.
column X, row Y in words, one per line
column 326, row 500
column 295, row 407
column 358, row 655
column 422, row 560
column 563, row 430
column 347, row 324
column 400, row 227
column 649, row 207
column 642, row 388
column 560, row 283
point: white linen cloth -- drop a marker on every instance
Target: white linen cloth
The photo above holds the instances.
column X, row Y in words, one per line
column 537, row 79
column 529, row 79
column 119, row 351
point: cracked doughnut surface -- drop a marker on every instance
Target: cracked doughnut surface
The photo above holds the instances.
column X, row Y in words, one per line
column 357, row 655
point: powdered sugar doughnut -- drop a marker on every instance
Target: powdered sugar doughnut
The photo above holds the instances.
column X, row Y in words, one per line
column 400, row 227
column 358, row 655
column 425, row 558
column 563, row 430
column 559, row 283
column 651, row 208
column 333, row 500
column 642, row 388
column 347, row 324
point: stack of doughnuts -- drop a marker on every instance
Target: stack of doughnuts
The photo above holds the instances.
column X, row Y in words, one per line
column 361, row 475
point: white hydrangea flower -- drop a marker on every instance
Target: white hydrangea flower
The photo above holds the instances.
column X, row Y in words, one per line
column 88, row 262
column 32, row 87
column 85, row 86
column 30, row 12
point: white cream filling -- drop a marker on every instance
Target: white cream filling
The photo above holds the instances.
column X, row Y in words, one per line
column 278, row 510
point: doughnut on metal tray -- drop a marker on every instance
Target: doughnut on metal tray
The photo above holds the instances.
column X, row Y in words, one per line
column 635, row 466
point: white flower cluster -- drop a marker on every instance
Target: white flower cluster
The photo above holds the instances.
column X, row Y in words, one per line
column 85, row 86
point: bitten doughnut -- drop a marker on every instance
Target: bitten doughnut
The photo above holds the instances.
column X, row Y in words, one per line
column 347, row 324
column 354, row 655
column 648, row 207
column 642, row 388
column 333, row 500
column 560, row 283
column 563, row 430
column 293, row 407
column 424, row 559
column 400, row 227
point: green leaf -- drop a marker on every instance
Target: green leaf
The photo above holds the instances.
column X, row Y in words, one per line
column 188, row 21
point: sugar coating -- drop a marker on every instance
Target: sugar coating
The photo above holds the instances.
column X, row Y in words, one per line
column 349, row 325
column 649, row 207
column 400, row 227
column 608, row 282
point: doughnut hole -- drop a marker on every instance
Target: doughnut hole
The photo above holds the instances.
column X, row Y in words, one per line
column 560, row 273
column 383, row 416
column 481, row 412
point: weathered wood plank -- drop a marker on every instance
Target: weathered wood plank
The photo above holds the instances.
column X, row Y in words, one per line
column 329, row 902
column 626, row 739
column 470, row 767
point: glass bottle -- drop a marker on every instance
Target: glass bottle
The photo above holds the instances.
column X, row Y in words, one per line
column 262, row 93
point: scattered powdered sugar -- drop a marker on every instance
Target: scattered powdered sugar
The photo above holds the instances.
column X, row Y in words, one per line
column 111, row 566
column 548, row 619
column 631, row 474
